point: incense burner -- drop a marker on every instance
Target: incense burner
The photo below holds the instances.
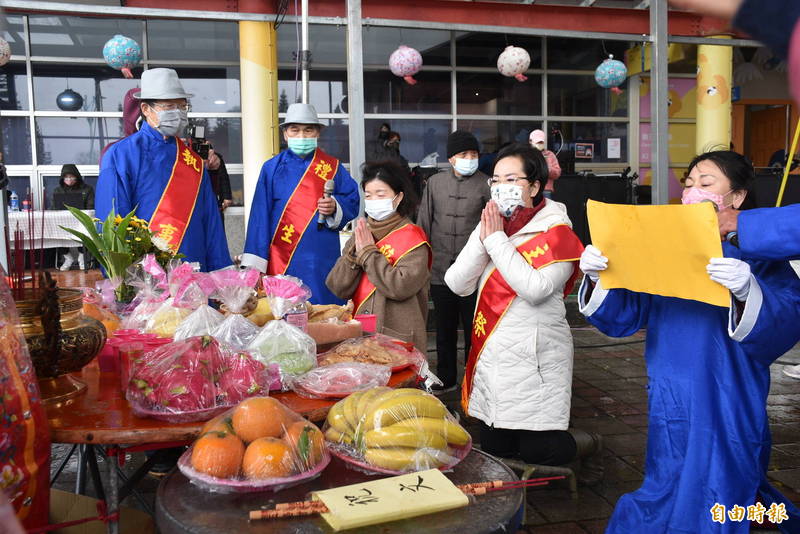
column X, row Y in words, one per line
column 80, row 340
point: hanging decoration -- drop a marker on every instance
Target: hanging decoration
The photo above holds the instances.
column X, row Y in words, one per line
column 69, row 100
column 122, row 53
column 514, row 61
column 5, row 52
column 405, row 62
column 610, row 74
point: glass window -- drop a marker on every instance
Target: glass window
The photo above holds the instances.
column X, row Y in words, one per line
column 327, row 90
column 53, row 35
column 475, row 49
column 495, row 94
column 15, row 133
column 207, row 41
column 419, row 137
column 379, row 43
column 50, row 184
column 19, row 185
column 237, row 188
column 494, row 134
column 590, row 139
column 581, row 96
column 386, row 93
column 582, row 54
column 13, row 86
column 215, row 89
column 225, row 135
column 76, row 140
column 102, row 88
column 12, row 28
column 327, row 43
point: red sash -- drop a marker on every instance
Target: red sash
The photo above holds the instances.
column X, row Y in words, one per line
column 559, row 243
column 174, row 210
column 394, row 246
column 299, row 211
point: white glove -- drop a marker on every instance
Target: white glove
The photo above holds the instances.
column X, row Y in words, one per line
column 592, row 262
column 731, row 273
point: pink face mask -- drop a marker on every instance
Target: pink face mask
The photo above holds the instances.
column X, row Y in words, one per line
column 694, row 195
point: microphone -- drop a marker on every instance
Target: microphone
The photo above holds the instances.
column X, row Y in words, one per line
column 327, row 193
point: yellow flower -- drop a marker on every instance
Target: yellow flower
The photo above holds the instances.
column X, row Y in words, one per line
column 117, row 219
column 138, row 239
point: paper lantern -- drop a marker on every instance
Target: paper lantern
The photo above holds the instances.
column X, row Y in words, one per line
column 405, row 62
column 122, row 53
column 69, row 100
column 5, row 52
column 610, row 74
column 514, row 61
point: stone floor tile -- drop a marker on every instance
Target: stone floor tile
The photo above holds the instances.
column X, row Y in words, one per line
column 556, row 506
column 611, row 491
column 560, row 528
column 636, row 421
column 598, row 526
column 617, row 469
column 636, row 461
column 604, row 425
column 622, row 445
column 788, row 477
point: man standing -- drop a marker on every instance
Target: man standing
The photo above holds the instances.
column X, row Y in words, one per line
column 449, row 212
column 163, row 179
column 294, row 225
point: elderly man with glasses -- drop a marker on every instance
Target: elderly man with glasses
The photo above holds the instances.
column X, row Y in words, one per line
column 302, row 199
column 154, row 172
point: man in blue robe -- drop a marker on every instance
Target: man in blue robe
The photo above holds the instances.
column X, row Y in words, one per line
column 319, row 246
column 708, row 369
column 135, row 171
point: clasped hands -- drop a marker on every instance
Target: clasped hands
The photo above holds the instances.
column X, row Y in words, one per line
column 732, row 273
column 491, row 220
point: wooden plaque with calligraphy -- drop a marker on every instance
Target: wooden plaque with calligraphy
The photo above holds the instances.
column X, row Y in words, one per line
column 390, row 499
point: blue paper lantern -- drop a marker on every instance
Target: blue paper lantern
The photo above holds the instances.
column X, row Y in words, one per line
column 122, row 53
column 611, row 73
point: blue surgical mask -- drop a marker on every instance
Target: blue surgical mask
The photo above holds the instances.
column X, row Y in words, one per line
column 466, row 167
column 302, row 146
column 171, row 122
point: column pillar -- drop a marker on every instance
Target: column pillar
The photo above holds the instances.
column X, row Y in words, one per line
column 714, row 74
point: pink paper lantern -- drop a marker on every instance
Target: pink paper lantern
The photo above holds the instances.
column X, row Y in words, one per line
column 514, row 61
column 405, row 62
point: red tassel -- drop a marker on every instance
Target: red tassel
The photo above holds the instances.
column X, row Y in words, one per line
column 616, row 90
column 521, row 77
column 126, row 72
column 410, row 80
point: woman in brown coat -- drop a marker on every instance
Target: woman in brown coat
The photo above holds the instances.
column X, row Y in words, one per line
column 386, row 266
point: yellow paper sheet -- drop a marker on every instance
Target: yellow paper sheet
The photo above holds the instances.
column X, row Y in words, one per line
column 390, row 499
column 661, row 250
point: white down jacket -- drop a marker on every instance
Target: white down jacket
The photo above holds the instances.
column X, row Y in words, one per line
column 523, row 378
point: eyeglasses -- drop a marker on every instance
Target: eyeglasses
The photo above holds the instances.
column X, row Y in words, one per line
column 171, row 107
column 507, row 180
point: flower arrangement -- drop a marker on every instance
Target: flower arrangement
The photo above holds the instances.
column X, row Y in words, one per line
column 119, row 242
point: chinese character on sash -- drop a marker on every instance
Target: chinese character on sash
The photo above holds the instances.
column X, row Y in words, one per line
column 718, row 513
column 535, row 253
column 167, row 233
column 323, row 169
column 190, row 160
column 480, row 324
column 387, row 251
column 288, row 231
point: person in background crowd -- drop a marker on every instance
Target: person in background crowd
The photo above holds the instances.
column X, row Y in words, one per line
column 165, row 181
column 386, row 266
column 707, row 367
column 376, row 149
column 294, row 228
column 538, row 140
column 71, row 182
column 522, row 257
column 450, row 210
column 131, row 118
column 220, row 181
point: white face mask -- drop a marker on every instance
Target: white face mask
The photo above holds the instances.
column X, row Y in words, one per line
column 379, row 208
column 507, row 197
column 466, row 167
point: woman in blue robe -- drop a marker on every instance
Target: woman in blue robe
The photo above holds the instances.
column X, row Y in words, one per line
column 708, row 369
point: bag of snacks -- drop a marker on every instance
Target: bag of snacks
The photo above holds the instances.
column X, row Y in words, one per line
column 149, row 280
column 288, row 299
column 189, row 289
column 235, row 291
column 395, row 431
column 193, row 380
column 258, row 445
column 341, row 379
column 236, row 331
column 286, row 345
column 200, row 322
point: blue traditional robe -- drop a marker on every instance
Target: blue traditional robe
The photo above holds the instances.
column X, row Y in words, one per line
column 318, row 249
column 708, row 369
column 770, row 233
column 134, row 173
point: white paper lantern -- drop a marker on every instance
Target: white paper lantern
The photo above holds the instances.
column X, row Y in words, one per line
column 514, row 61
column 405, row 62
column 5, row 52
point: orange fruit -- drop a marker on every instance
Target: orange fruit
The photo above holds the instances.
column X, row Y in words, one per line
column 267, row 458
column 218, row 454
column 221, row 423
column 259, row 417
column 307, row 443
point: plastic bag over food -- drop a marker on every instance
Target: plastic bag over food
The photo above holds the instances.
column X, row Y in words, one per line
column 341, row 379
column 192, row 380
column 292, row 349
column 149, row 280
column 200, row 322
column 286, row 294
column 236, row 331
column 258, row 445
column 234, row 288
column 395, row 431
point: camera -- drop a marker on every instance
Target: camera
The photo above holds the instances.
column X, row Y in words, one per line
column 197, row 135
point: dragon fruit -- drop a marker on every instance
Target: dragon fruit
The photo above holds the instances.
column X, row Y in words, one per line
column 242, row 377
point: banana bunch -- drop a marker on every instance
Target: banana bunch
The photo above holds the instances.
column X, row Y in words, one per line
column 399, row 429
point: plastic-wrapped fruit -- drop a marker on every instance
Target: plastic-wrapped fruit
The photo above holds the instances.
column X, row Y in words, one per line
column 218, row 454
column 259, row 417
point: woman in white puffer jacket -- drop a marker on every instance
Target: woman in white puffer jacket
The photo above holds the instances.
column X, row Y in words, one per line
column 523, row 259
